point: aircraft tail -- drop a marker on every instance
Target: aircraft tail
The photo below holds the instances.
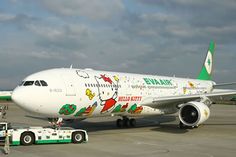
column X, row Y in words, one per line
column 206, row 71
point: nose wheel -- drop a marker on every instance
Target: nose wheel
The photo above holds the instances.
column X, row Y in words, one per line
column 125, row 122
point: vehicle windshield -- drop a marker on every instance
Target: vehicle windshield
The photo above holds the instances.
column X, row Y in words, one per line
column 2, row 127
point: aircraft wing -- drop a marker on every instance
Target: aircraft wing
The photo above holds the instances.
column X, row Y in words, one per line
column 224, row 84
column 170, row 101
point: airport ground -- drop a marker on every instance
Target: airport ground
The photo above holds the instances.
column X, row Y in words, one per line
column 216, row 138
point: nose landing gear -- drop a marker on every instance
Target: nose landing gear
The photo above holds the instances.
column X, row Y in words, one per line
column 55, row 122
column 125, row 122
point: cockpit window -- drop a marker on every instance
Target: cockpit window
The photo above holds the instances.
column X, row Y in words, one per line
column 28, row 83
column 37, row 83
column 43, row 83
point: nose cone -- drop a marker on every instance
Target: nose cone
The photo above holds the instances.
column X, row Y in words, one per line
column 18, row 97
column 21, row 97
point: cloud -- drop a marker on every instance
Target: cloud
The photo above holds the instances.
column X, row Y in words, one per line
column 6, row 17
column 92, row 9
column 46, row 55
column 45, row 31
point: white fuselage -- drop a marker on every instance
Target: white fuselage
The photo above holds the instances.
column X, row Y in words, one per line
column 78, row 93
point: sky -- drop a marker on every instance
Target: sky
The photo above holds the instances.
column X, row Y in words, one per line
column 157, row 37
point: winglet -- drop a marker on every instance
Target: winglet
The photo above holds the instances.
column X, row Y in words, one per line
column 206, row 71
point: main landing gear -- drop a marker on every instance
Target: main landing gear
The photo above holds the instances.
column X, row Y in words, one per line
column 125, row 122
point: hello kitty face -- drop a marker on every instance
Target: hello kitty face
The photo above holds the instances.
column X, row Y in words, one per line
column 107, row 87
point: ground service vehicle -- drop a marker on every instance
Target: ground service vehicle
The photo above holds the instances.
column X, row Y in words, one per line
column 40, row 135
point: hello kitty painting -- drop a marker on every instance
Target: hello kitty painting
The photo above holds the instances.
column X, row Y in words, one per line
column 107, row 91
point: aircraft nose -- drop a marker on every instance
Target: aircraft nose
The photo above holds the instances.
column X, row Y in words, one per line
column 21, row 97
column 18, row 97
column 31, row 99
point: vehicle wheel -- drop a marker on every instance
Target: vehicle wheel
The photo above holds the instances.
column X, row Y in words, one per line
column 119, row 123
column 78, row 137
column 27, row 138
column 132, row 122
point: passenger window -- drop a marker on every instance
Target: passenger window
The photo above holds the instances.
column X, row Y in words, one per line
column 37, row 83
column 43, row 83
column 28, row 83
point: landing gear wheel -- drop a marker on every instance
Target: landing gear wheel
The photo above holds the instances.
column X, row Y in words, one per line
column 126, row 122
column 77, row 137
column 27, row 138
column 119, row 123
column 132, row 122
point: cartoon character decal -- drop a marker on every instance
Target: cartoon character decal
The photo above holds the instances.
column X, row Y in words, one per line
column 106, row 79
column 107, row 91
column 86, row 111
column 134, row 109
column 82, row 74
column 184, row 90
column 67, row 109
column 191, row 84
column 120, row 108
column 90, row 94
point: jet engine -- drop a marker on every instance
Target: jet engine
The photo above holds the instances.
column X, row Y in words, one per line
column 194, row 113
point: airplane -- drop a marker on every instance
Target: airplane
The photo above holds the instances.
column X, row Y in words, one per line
column 68, row 93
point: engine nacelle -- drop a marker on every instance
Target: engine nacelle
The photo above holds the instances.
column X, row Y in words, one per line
column 194, row 113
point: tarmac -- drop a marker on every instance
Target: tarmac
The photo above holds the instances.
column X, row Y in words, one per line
column 153, row 136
